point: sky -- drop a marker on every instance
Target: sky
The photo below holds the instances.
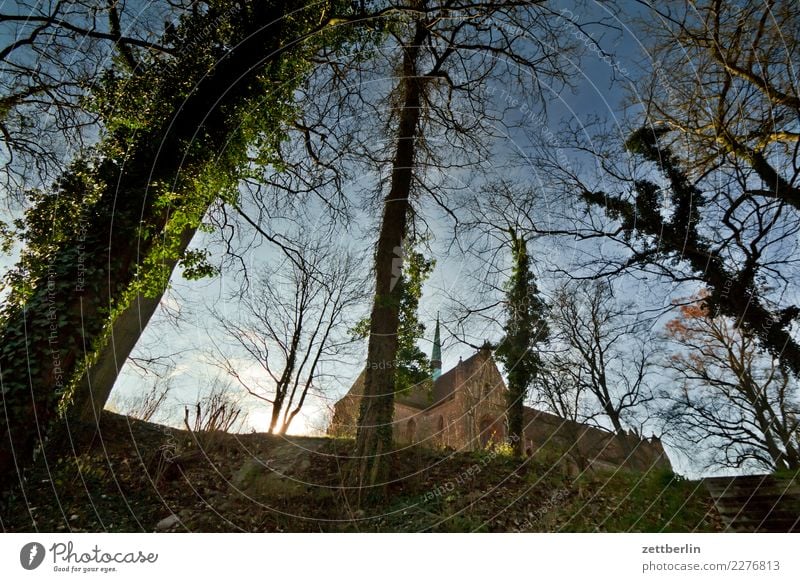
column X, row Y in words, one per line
column 601, row 83
column 605, row 79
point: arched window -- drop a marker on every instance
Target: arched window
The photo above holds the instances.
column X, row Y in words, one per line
column 411, row 431
column 440, row 430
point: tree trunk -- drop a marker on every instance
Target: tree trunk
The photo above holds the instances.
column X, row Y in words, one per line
column 274, row 418
column 94, row 387
column 613, row 415
column 516, row 413
column 766, row 420
column 374, row 437
column 44, row 343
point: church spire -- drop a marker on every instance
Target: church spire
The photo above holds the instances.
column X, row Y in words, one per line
column 436, row 355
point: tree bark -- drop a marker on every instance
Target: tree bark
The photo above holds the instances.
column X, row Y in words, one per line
column 374, row 436
column 516, row 419
column 94, row 387
column 43, row 343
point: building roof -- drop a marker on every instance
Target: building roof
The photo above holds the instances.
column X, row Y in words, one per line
column 424, row 396
column 436, row 354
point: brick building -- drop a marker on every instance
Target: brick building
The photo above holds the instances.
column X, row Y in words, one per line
column 464, row 409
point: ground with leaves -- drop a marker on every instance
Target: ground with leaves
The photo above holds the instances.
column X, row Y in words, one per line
column 138, row 476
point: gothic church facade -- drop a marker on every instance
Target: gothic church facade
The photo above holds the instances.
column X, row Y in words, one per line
column 465, row 409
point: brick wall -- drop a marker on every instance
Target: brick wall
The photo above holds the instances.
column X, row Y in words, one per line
column 465, row 410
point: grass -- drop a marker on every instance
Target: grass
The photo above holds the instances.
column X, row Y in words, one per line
column 263, row 483
column 656, row 501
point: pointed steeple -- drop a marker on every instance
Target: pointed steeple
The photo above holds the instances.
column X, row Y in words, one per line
column 436, row 355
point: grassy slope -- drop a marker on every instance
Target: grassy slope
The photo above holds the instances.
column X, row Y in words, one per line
column 223, row 484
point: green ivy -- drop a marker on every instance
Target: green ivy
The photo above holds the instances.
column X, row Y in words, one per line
column 64, row 232
column 413, row 365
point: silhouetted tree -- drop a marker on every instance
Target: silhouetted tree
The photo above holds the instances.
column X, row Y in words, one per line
column 526, row 327
column 449, row 50
column 607, row 353
column 292, row 322
column 734, row 403
column 180, row 129
column 412, row 366
column 724, row 82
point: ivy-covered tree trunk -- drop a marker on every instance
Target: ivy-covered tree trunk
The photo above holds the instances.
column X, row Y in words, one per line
column 734, row 287
column 153, row 184
column 374, row 436
column 525, row 327
column 94, row 387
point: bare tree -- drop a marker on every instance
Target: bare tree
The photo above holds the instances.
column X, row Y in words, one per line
column 559, row 387
column 735, row 404
column 671, row 228
column 725, row 81
column 724, row 103
column 293, row 321
column 608, row 353
column 448, row 52
column 718, row 120
column 51, row 55
column 180, row 131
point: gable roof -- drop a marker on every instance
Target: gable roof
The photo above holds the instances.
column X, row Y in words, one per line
column 424, row 396
column 429, row 394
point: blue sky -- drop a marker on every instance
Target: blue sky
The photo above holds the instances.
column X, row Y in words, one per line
column 606, row 77
column 600, row 85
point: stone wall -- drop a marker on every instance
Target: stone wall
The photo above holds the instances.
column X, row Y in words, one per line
column 590, row 446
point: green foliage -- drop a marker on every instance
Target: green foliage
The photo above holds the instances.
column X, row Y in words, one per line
column 196, row 266
column 526, row 324
column 412, row 364
column 623, row 501
column 686, row 200
column 7, row 238
column 178, row 131
column 441, row 491
column 503, row 449
column 53, row 219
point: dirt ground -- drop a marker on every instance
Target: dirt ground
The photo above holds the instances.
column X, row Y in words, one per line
column 141, row 477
